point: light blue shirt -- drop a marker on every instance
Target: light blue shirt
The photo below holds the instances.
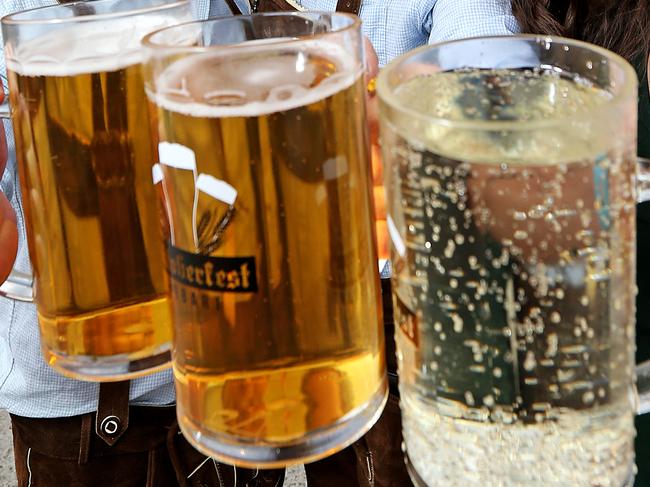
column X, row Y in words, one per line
column 28, row 387
column 397, row 26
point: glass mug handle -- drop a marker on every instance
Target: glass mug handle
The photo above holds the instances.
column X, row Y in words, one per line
column 643, row 369
column 18, row 285
column 643, row 388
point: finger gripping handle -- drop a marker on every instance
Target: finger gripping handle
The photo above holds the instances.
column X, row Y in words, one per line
column 19, row 286
column 5, row 111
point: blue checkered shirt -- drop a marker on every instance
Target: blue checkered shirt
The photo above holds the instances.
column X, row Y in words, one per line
column 397, row 26
column 28, row 387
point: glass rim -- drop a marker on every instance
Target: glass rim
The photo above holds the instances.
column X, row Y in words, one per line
column 149, row 42
column 386, row 93
column 16, row 19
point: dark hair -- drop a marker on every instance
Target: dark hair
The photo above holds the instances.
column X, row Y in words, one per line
column 622, row 26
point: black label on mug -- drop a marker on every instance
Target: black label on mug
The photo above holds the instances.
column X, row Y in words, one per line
column 221, row 274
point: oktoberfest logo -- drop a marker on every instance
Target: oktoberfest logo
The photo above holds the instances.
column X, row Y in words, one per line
column 224, row 274
column 210, row 205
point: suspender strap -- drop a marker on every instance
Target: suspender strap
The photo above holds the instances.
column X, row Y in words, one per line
column 112, row 411
column 350, row 6
column 275, row 6
column 84, row 438
column 233, row 7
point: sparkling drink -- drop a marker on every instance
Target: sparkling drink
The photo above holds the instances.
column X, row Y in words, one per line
column 514, row 293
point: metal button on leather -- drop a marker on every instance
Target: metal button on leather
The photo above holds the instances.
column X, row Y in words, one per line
column 111, row 425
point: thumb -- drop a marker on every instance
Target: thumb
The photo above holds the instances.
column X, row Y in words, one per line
column 3, row 139
column 371, row 60
column 8, row 238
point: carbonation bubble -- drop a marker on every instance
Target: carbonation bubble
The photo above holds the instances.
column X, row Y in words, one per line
column 530, row 363
column 469, row 398
column 458, row 323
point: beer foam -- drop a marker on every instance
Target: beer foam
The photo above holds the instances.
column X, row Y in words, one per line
column 86, row 47
column 280, row 98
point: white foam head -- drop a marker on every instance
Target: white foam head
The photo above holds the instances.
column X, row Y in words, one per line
column 86, row 47
column 173, row 83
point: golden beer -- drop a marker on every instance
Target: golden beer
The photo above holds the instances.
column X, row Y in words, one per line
column 85, row 153
column 278, row 330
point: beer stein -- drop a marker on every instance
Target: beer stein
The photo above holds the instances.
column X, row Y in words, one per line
column 510, row 168
column 264, row 165
column 85, row 154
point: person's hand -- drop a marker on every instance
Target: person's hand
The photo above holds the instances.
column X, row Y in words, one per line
column 8, row 228
column 372, row 69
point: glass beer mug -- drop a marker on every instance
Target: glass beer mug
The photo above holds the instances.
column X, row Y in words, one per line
column 85, row 153
column 510, row 177
column 264, row 165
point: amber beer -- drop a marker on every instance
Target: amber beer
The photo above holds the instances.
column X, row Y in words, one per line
column 274, row 268
column 85, row 152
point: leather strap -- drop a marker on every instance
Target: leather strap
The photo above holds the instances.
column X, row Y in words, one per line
column 349, row 6
column 233, row 7
column 112, row 411
column 84, row 438
column 274, row 6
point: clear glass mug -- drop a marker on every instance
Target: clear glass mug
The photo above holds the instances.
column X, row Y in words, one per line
column 85, row 155
column 510, row 175
column 264, row 161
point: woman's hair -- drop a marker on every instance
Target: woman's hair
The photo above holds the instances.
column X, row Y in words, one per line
column 622, row 26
